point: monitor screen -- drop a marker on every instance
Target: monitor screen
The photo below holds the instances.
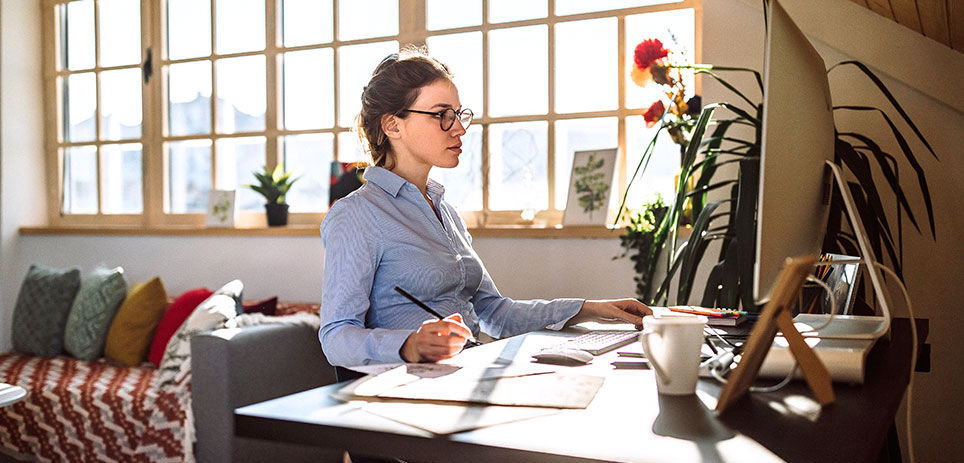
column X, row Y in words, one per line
column 797, row 139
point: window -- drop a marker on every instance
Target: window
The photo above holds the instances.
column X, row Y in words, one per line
column 155, row 103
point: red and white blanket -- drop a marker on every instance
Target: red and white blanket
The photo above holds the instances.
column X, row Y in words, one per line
column 83, row 411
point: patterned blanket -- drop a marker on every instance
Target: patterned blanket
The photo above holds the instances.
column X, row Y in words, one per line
column 82, row 411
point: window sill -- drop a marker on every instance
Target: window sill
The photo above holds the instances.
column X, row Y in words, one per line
column 492, row 231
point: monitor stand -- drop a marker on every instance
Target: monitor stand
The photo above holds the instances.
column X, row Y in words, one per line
column 857, row 327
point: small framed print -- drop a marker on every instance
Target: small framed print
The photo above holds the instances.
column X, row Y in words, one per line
column 590, row 186
column 221, row 208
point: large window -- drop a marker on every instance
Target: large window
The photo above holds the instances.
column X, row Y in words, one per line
column 154, row 103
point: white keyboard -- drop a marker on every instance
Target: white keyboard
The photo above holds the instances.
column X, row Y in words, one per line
column 600, row 342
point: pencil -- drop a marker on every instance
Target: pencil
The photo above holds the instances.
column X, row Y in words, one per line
column 470, row 342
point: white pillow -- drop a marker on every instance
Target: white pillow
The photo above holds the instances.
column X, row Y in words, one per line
column 214, row 312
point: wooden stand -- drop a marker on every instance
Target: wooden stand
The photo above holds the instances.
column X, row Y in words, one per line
column 776, row 317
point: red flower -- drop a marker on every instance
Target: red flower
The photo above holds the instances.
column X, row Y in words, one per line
column 648, row 51
column 654, row 113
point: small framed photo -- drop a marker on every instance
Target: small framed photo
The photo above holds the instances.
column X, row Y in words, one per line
column 221, row 208
column 590, row 186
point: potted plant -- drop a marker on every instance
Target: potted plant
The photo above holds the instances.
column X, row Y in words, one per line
column 726, row 220
column 274, row 185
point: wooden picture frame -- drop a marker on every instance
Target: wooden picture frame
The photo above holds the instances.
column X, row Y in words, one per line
column 590, row 187
column 776, row 317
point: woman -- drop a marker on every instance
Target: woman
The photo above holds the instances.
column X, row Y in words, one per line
column 397, row 230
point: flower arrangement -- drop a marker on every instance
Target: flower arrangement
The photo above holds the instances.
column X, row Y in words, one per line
column 652, row 64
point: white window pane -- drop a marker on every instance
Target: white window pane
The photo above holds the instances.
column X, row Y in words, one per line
column 80, row 101
column 583, row 6
column 79, row 49
column 580, row 135
column 501, row 11
column 188, row 28
column 361, row 19
column 440, row 14
column 189, row 98
column 189, row 175
column 675, row 30
column 462, row 53
column 663, row 166
column 309, row 89
column 350, row 148
column 120, row 32
column 240, row 25
column 309, row 158
column 241, row 94
column 463, row 183
column 80, row 180
column 120, row 103
column 586, row 65
column 237, row 161
column 517, row 166
column 355, row 66
column 121, row 179
column 307, row 22
column 518, row 73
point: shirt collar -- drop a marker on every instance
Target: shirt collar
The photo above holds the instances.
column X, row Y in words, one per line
column 392, row 183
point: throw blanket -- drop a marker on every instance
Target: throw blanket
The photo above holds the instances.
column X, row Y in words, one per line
column 82, row 411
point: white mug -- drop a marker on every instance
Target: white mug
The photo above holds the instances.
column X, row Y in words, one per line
column 675, row 353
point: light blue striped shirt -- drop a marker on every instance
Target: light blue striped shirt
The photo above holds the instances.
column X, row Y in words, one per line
column 386, row 234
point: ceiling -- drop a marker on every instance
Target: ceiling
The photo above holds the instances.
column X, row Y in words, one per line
column 940, row 20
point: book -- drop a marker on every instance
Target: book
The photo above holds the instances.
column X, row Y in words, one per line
column 714, row 317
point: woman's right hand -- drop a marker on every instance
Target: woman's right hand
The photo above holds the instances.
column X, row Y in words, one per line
column 436, row 340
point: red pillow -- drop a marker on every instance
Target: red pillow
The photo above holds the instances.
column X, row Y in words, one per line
column 268, row 307
column 175, row 315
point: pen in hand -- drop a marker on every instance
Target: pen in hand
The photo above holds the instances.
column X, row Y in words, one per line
column 469, row 343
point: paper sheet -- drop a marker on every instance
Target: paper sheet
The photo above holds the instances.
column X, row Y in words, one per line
column 448, row 419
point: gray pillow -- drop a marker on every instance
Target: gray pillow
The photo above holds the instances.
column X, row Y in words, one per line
column 214, row 312
column 101, row 293
column 40, row 316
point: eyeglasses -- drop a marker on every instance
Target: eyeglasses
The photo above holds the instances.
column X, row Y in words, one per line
column 447, row 116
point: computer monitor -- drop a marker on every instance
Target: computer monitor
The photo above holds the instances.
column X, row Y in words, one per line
column 796, row 171
column 797, row 140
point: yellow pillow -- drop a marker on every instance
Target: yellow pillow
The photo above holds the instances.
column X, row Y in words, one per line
column 133, row 327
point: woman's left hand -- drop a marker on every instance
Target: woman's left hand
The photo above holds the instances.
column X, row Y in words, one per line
column 627, row 310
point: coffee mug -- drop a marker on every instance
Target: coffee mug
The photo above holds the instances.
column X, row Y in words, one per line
column 675, row 351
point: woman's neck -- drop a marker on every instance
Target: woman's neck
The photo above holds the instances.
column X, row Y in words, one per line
column 416, row 174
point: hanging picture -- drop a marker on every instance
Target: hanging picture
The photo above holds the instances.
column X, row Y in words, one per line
column 221, row 208
column 345, row 178
column 590, row 185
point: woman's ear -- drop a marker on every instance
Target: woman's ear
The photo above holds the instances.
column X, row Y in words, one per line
column 390, row 126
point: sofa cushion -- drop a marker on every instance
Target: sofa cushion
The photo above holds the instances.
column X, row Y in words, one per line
column 101, row 293
column 213, row 313
column 40, row 314
column 267, row 307
column 173, row 318
column 132, row 330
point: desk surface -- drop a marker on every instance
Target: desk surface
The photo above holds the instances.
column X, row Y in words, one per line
column 627, row 421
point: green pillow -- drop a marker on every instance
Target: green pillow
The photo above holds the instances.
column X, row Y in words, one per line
column 101, row 293
column 40, row 316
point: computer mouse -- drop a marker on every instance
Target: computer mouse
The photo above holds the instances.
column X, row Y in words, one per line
column 563, row 356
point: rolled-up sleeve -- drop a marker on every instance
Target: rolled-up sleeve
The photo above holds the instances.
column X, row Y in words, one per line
column 350, row 238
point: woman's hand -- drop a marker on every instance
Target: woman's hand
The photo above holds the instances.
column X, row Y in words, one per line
column 627, row 310
column 436, row 340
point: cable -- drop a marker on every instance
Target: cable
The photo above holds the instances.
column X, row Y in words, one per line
column 913, row 359
column 777, row 386
column 833, row 302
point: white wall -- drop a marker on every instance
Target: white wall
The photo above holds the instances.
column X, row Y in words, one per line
column 733, row 35
column 22, row 190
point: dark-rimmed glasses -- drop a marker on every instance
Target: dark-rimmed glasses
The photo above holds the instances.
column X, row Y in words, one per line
column 447, row 116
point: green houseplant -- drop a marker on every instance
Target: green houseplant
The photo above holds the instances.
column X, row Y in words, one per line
column 709, row 144
column 274, row 185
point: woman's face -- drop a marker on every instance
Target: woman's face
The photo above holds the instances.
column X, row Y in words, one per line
column 423, row 141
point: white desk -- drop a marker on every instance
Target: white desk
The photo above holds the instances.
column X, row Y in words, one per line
column 627, row 421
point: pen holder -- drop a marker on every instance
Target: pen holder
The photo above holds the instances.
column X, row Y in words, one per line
column 672, row 345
